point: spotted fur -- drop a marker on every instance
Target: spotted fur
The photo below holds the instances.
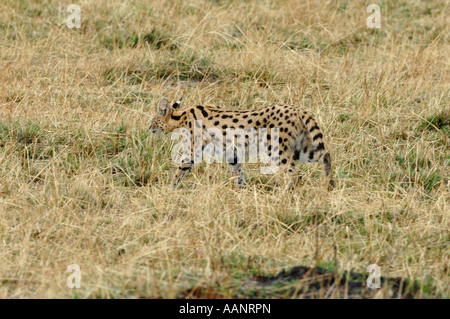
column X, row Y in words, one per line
column 300, row 138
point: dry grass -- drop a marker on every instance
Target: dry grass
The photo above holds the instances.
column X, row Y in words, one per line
column 82, row 181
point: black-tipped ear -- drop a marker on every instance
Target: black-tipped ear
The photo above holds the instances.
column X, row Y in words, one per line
column 177, row 104
column 163, row 107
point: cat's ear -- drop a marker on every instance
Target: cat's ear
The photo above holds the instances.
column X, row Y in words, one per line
column 177, row 104
column 163, row 107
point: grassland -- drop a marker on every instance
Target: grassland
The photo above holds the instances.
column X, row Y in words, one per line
column 83, row 182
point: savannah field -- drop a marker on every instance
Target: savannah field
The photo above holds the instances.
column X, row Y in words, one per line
column 82, row 181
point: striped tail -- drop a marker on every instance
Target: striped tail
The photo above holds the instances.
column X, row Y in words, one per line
column 312, row 148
